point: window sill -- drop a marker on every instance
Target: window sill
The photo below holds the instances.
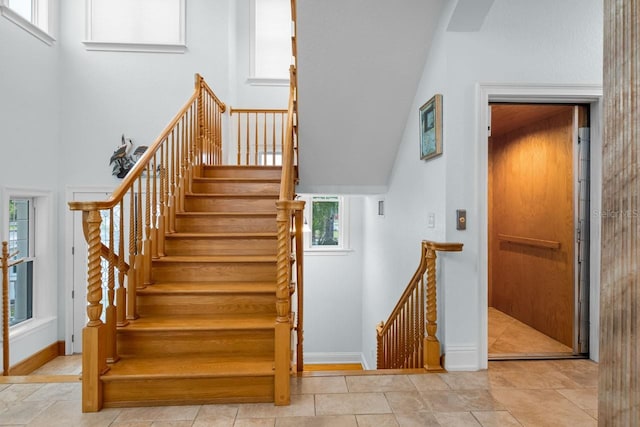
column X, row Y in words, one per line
column 29, row 27
column 134, row 47
column 30, row 326
column 268, row 81
column 327, row 252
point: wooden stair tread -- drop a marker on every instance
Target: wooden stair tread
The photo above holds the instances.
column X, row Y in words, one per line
column 176, row 288
column 245, row 235
column 206, row 322
column 217, row 258
column 132, row 368
column 236, row 180
column 262, row 195
column 252, row 214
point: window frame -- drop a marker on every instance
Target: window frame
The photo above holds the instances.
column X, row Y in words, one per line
column 30, row 256
column 179, row 46
column 344, row 227
column 41, row 21
column 254, row 79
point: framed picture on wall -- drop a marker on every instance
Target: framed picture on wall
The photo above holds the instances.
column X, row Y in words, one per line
column 431, row 128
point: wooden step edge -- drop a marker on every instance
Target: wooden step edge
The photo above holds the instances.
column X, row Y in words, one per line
column 271, row 214
column 216, row 259
column 214, row 236
column 213, row 288
column 241, row 167
column 261, row 195
column 185, row 368
column 183, row 325
column 235, row 180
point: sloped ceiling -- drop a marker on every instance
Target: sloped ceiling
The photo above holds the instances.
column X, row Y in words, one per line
column 359, row 64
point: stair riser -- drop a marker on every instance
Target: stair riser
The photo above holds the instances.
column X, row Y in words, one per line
column 220, row 204
column 199, row 272
column 236, row 187
column 204, row 304
column 191, row 246
column 235, row 172
column 213, row 224
column 258, row 343
column 188, row 391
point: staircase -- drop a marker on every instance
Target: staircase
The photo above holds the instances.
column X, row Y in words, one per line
column 205, row 331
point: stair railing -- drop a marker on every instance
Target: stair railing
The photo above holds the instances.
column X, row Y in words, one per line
column 401, row 340
column 131, row 225
column 289, row 274
column 260, row 135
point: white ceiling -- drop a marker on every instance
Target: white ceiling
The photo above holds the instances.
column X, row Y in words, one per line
column 359, row 64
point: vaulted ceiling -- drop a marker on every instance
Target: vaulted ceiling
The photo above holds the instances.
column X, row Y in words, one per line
column 359, row 65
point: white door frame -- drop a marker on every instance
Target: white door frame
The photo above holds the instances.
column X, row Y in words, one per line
column 68, row 260
column 537, row 93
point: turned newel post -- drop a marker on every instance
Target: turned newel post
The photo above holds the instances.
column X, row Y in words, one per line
column 432, row 360
column 283, row 304
column 93, row 335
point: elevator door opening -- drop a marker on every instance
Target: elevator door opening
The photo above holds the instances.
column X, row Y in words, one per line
column 538, row 231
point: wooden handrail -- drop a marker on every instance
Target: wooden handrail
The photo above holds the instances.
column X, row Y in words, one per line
column 527, row 241
column 401, row 341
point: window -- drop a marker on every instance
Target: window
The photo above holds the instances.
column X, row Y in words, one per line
column 136, row 25
column 31, row 15
column 21, row 240
column 271, row 40
column 326, row 223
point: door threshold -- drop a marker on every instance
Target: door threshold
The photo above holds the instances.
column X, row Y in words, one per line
column 535, row 356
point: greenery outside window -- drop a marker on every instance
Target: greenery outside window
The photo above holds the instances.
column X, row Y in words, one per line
column 21, row 239
column 326, row 223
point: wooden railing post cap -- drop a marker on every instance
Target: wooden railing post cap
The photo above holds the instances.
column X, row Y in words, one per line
column 442, row 246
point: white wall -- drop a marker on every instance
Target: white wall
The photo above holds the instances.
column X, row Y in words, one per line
column 520, row 41
column 29, row 139
column 332, row 297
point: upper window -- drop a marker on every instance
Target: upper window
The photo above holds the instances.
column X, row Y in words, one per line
column 136, row 25
column 271, row 39
column 21, row 242
column 30, row 15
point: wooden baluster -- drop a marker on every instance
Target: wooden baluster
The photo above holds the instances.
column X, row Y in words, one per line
column 239, row 148
column 154, row 208
column 200, row 143
column 132, row 277
column 94, row 362
column 121, row 295
column 298, row 207
column 172, row 189
column 146, row 248
column 162, row 209
column 5, row 308
column 139, row 242
column 247, row 140
column 112, row 354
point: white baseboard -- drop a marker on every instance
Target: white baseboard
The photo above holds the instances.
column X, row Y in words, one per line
column 461, row 358
column 320, row 358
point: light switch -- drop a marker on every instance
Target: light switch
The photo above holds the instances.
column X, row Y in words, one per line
column 431, row 220
column 461, row 219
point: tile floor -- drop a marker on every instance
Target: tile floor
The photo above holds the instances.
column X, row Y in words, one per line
column 510, row 337
column 512, row 393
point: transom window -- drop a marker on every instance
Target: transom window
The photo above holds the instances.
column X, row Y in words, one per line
column 271, row 39
column 30, row 15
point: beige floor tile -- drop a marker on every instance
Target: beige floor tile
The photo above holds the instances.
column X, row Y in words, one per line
column 428, row 382
column 534, row 380
column 56, row 392
column 132, row 424
column 61, row 365
column 418, row 419
column 20, row 412
column 586, row 398
column 478, row 400
column 18, row 392
column 313, row 385
column 158, row 413
column 403, row 402
column 466, row 380
column 443, row 401
column 172, row 424
column 592, row 412
column 381, row 420
column 67, row 413
column 542, row 408
column 456, row 419
column 216, row 416
column 324, row 421
column 496, row 419
column 255, row 422
column 351, row 403
column 379, row 383
column 3, row 386
column 302, row 405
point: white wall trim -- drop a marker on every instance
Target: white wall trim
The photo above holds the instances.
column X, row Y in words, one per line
column 26, row 25
column 532, row 93
column 320, row 358
column 461, row 358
